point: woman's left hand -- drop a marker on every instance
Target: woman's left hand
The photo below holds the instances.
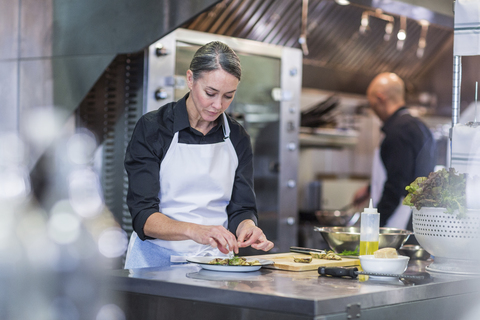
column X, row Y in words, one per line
column 248, row 234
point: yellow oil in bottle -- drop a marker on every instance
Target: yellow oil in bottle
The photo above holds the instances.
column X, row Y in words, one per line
column 368, row 247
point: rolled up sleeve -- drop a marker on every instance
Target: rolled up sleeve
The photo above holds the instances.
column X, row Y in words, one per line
column 242, row 205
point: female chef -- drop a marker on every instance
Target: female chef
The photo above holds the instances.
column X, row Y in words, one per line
column 190, row 171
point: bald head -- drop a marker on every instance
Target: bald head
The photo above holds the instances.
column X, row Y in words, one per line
column 386, row 94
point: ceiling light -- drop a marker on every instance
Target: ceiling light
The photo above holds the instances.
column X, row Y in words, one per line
column 402, row 33
column 388, row 31
column 422, row 41
column 389, row 28
column 343, row 2
column 424, row 23
column 364, row 22
column 420, row 52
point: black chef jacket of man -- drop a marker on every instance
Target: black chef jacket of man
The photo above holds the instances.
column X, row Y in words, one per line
column 150, row 141
column 407, row 152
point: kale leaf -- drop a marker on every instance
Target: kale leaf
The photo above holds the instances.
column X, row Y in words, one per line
column 443, row 188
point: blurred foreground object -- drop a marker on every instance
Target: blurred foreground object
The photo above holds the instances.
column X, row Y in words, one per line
column 53, row 253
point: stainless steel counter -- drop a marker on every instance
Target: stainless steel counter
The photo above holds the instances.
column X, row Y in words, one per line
column 187, row 292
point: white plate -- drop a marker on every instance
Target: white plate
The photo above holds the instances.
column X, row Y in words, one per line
column 203, row 274
column 204, row 263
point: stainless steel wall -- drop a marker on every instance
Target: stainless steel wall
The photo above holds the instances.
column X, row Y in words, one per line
column 53, row 51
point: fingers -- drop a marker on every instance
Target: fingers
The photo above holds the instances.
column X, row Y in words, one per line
column 262, row 243
column 217, row 237
column 254, row 237
column 213, row 243
column 225, row 241
column 265, row 245
column 223, row 249
column 248, row 233
column 249, row 237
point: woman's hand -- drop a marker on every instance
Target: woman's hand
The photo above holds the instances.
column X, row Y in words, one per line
column 162, row 227
column 215, row 236
column 248, row 234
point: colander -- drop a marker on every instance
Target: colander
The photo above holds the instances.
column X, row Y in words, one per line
column 452, row 241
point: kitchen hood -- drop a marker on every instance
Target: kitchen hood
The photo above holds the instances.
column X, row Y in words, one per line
column 347, row 45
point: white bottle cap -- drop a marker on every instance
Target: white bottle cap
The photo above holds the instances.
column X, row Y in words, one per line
column 370, row 209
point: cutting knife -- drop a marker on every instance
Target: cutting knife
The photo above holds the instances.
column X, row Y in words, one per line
column 306, row 250
column 354, row 273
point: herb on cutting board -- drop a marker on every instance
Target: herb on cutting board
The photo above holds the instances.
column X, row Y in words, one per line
column 443, row 188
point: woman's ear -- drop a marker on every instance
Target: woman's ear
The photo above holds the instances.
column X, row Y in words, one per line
column 189, row 79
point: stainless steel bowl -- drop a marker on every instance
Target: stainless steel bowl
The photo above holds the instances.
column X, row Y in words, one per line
column 415, row 252
column 348, row 238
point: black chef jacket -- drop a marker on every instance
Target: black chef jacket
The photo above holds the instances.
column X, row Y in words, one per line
column 407, row 152
column 150, row 141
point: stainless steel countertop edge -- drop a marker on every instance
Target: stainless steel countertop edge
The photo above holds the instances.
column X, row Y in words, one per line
column 214, row 295
column 163, row 284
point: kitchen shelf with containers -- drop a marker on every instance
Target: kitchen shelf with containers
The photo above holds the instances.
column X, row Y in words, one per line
column 329, row 119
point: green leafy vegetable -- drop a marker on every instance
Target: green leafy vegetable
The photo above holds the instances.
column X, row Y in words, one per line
column 413, row 188
column 236, row 261
column 443, row 188
column 349, row 253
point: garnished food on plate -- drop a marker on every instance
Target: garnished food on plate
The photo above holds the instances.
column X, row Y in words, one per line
column 219, row 261
column 306, row 259
column 386, row 253
column 329, row 255
column 235, row 261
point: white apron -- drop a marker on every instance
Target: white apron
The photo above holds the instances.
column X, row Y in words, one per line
column 401, row 215
column 196, row 182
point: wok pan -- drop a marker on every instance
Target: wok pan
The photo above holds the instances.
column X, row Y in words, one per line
column 343, row 217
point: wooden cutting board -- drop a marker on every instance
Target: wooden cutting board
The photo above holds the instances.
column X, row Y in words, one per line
column 284, row 261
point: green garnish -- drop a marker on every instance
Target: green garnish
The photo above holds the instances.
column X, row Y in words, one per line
column 443, row 188
column 349, row 252
column 236, row 261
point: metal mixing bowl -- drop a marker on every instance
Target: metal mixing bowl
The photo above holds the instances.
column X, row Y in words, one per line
column 348, row 238
column 415, row 252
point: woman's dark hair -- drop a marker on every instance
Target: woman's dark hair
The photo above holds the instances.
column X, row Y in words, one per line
column 213, row 56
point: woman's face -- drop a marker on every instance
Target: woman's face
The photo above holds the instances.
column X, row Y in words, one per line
column 212, row 93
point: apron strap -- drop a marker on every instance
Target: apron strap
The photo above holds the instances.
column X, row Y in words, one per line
column 226, row 127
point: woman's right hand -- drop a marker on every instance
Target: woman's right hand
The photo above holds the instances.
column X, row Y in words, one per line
column 215, row 236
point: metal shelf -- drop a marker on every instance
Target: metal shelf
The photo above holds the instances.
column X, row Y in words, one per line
column 327, row 138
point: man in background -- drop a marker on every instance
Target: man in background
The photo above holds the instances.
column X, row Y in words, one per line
column 406, row 152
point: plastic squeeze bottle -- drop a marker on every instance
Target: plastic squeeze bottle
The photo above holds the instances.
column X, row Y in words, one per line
column 369, row 230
